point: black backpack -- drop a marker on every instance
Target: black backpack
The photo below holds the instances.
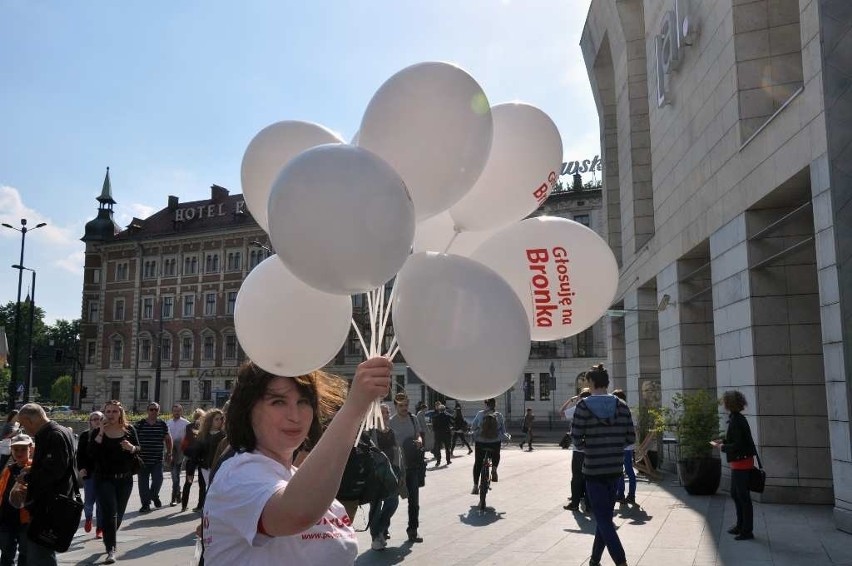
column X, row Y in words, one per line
column 490, row 426
column 368, row 475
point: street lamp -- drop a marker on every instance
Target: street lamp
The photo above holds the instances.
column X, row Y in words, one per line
column 13, row 383
column 28, row 387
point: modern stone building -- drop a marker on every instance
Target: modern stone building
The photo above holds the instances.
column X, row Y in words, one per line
column 159, row 296
column 725, row 130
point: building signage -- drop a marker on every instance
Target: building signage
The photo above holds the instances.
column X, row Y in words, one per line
column 207, row 211
column 668, row 50
column 584, row 166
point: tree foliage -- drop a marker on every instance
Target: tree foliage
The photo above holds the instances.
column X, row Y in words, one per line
column 60, row 391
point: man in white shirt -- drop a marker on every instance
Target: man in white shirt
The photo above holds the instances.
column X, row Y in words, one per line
column 177, row 430
column 409, row 437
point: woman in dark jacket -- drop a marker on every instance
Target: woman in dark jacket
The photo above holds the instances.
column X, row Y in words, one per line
column 190, row 450
column 460, row 428
column 212, row 431
column 86, row 467
column 739, row 449
column 111, row 449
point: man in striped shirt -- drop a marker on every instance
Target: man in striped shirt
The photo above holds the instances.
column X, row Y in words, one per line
column 153, row 435
column 602, row 427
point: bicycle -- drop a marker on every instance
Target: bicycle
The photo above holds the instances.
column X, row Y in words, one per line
column 484, row 478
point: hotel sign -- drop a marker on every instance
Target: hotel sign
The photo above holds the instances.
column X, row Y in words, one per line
column 189, row 213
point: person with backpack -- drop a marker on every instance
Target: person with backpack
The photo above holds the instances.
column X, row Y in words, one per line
column 489, row 430
column 409, row 436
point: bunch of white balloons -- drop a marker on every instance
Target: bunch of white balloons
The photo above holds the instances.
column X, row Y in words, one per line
column 432, row 191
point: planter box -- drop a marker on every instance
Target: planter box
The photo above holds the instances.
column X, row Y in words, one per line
column 700, row 476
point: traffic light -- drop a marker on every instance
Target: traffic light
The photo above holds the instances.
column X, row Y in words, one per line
column 83, row 392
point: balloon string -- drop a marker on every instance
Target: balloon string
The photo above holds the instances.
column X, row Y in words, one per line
column 393, row 353
column 456, row 232
column 380, row 317
column 371, row 306
column 360, row 336
column 392, row 346
column 390, row 306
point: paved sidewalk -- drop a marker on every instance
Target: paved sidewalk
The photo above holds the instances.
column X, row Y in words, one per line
column 527, row 525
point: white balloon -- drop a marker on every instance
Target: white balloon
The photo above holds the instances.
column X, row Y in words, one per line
column 438, row 234
column 460, row 326
column 268, row 152
column 522, row 168
column 432, row 123
column 341, row 219
column 285, row 326
column 564, row 273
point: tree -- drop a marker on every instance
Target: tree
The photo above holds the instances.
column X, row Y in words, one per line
column 60, row 391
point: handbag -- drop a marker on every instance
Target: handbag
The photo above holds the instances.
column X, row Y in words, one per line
column 136, row 464
column 757, row 477
column 56, row 522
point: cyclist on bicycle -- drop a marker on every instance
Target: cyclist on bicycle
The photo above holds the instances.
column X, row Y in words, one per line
column 489, row 429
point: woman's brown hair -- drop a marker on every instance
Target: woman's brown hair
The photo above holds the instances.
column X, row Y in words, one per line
column 734, row 401
column 207, row 422
column 122, row 416
column 325, row 392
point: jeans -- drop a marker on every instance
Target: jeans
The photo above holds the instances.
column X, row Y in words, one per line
column 10, row 542
column 381, row 512
column 177, row 463
column 39, row 555
column 742, row 500
column 578, row 480
column 89, row 500
column 631, row 477
column 150, row 482
column 479, row 457
column 412, row 484
column 112, row 502
column 442, row 440
column 601, row 493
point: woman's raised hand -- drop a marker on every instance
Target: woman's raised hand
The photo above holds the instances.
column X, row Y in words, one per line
column 372, row 380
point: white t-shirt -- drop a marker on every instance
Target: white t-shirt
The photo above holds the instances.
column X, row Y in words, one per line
column 235, row 501
column 177, row 430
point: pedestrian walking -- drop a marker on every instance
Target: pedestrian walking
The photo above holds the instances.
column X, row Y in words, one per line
column 527, row 429
column 209, row 435
column 628, row 466
column 153, row 433
column 739, row 449
column 422, row 415
column 177, row 430
column 50, row 474
column 190, row 451
column 86, row 469
column 578, row 482
column 409, row 436
column 442, row 429
column 460, row 429
column 14, row 521
column 602, row 427
column 382, row 510
column 489, row 430
column 112, row 449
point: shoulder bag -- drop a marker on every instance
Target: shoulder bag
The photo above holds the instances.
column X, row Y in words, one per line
column 757, row 477
column 54, row 525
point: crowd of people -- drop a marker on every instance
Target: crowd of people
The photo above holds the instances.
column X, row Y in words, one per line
column 270, row 466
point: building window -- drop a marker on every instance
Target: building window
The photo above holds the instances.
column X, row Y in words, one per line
column 184, row 390
column 168, row 307
column 230, row 347
column 122, row 271
column 165, row 348
column 582, row 219
column 209, row 304
column 234, row 261
column 145, row 350
column 211, row 263
column 96, row 276
column 206, row 390
column 91, row 349
column 148, row 308
column 544, row 386
column 149, row 269
column 188, row 306
column 143, row 390
column 229, row 384
column 255, row 257
column 117, row 350
column 93, row 311
column 529, row 387
column 186, row 348
column 115, row 390
column 118, row 309
column 190, row 265
column 209, row 348
column 586, row 343
column 169, row 267
column 232, row 302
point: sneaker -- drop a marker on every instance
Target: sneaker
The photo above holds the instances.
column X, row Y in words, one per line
column 387, row 535
column 198, row 510
column 593, row 562
column 99, row 533
column 475, row 490
column 144, row 509
column 110, row 559
column 572, row 506
column 449, row 462
column 744, row 536
column 494, row 475
column 173, row 503
column 157, row 502
column 734, row 530
column 412, row 537
column 88, row 526
column 379, row 543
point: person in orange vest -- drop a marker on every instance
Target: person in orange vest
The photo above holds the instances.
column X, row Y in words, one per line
column 14, row 522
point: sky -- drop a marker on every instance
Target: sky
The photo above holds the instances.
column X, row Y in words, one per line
column 169, row 94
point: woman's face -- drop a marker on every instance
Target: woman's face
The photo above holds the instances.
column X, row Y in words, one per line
column 385, row 414
column 94, row 421
column 282, row 418
column 112, row 413
column 218, row 422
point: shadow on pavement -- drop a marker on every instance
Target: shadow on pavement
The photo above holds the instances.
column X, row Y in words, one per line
column 161, row 520
column 635, row 514
column 477, row 518
column 149, row 549
column 390, row 555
